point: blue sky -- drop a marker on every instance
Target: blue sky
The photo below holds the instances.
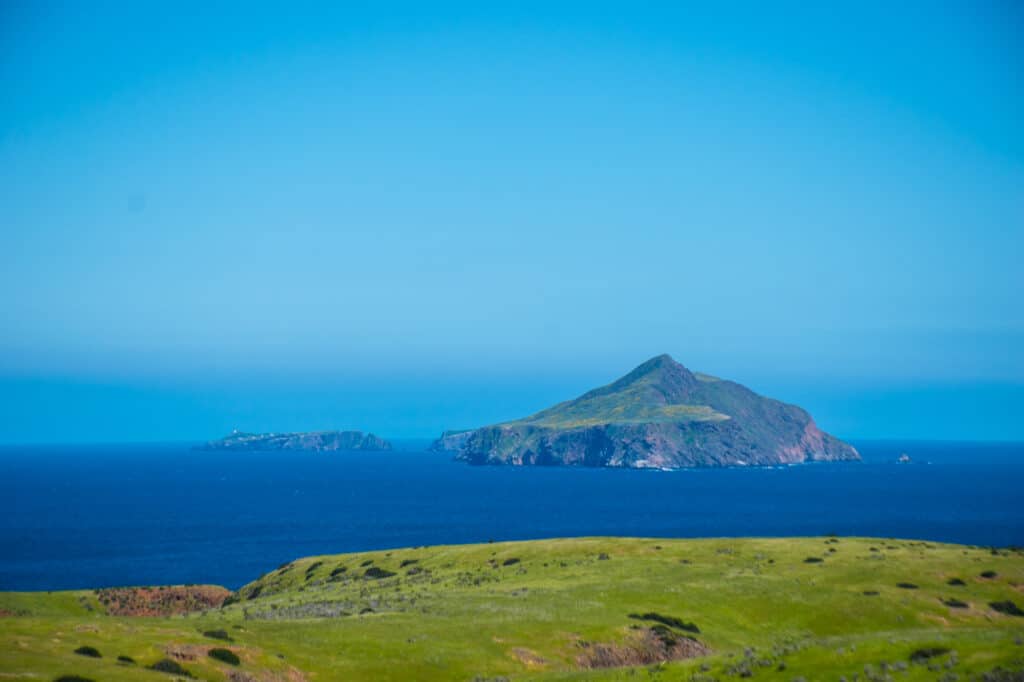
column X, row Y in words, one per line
column 410, row 217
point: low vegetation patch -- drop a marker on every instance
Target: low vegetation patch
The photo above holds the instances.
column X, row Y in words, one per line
column 813, row 560
column 127, row 660
column 670, row 621
column 225, row 656
column 870, row 593
column 955, row 603
column 509, row 562
column 90, row 651
column 955, row 582
column 73, row 678
column 907, row 586
column 408, row 562
column 217, row 634
column 989, row 574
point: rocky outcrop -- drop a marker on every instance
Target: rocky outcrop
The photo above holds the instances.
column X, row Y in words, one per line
column 319, row 441
column 660, row 415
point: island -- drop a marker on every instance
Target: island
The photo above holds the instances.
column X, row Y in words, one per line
column 660, row 415
column 316, row 441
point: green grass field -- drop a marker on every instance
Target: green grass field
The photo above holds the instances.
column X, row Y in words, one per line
column 547, row 610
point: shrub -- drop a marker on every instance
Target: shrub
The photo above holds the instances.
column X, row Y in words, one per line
column 224, row 655
column 988, row 574
column 870, row 593
column 72, row 678
column 671, row 621
column 338, row 571
column 510, row 562
column 956, row 582
column 955, row 603
column 408, row 562
column 813, row 560
column 126, row 659
column 907, row 586
column 366, row 563
column 1007, row 607
column 166, row 665
column 376, row 573
column 218, row 634
column 90, row 651
column 603, row 557
column 922, row 655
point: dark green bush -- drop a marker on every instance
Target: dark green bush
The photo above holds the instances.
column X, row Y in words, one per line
column 166, row 665
column 988, row 574
column 955, row 603
column 870, row 593
column 1007, row 607
column 72, row 678
column 813, row 560
column 224, row 655
column 408, row 562
column 218, row 634
column 956, row 582
column 90, row 651
column 922, row 655
column 907, row 586
column 126, row 659
column 376, row 573
column 670, row 621
column 510, row 562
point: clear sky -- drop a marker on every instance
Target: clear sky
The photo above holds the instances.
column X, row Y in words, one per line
column 411, row 217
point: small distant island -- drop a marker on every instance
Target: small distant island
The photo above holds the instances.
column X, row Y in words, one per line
column 316, row 441
column 660, row 415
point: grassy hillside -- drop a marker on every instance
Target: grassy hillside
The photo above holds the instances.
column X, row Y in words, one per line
column 775, row 609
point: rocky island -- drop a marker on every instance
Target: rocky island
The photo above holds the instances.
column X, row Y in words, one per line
column 660, row 415
column 318, row 441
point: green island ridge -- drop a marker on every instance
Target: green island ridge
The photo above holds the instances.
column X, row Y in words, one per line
column 824, row 608
column 660, row 415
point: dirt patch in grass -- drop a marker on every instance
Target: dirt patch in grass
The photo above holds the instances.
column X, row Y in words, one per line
column 531, row 659
column 185, row 652
column 161, row 601
column 643, row 647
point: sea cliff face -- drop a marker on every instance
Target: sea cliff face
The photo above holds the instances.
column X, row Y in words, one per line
column 660, row 415
column 319, row 441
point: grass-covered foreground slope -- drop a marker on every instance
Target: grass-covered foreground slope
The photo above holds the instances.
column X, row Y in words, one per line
column 771, row 609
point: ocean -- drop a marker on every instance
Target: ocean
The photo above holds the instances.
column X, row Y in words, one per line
column 98, row 516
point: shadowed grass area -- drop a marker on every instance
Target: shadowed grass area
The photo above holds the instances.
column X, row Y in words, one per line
column 564, row 607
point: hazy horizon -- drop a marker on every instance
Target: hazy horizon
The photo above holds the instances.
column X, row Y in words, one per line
column 404, row 219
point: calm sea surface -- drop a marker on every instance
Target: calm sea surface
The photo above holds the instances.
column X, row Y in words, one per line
column 94, row 516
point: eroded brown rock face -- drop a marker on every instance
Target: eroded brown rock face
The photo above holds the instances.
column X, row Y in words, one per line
column 659, row 415
column 642, row 648
column 161, row 601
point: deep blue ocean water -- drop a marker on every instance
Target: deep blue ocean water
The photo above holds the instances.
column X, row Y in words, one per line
column 94, row 516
